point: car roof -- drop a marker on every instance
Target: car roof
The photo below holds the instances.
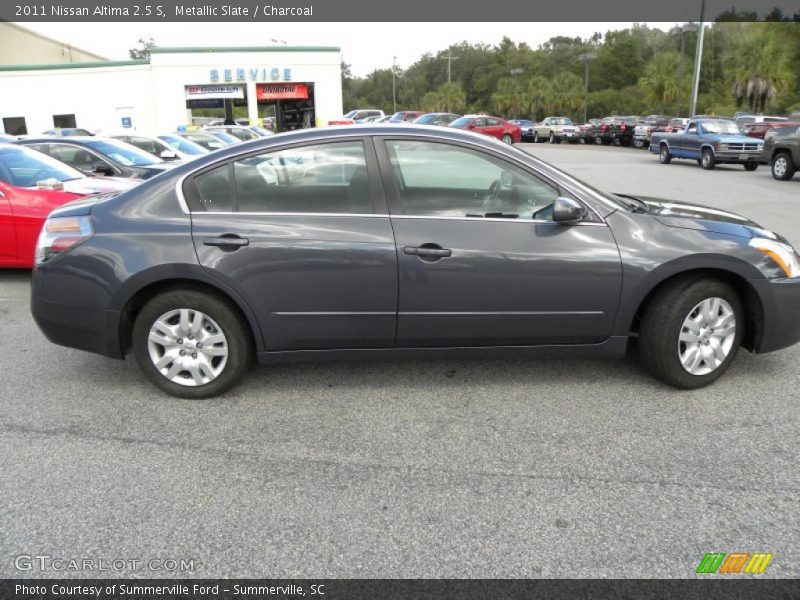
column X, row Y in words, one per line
column 66, row 139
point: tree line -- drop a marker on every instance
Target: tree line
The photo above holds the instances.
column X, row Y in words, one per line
column 746, row 66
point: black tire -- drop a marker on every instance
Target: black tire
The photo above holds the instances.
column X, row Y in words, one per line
column 535, row 137
column 552, row 138
column 598, row 140
column 239, row 343
column 507, row 139
column 750, row 166
column 617, row 142
column 662, row 322
column 638, row 144
column 783, row 167
column 707, row 159
column 664, row 157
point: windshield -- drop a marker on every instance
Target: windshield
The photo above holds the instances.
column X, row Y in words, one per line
column 225, row 137
column 183, row 145
column 425, row 118
column 462, row 122
column 720, row 127
column 124, row 154
column 207, row 141
column 562, row 121
column 351, row 114
column 24, row 167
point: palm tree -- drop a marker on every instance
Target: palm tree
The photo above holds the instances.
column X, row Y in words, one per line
column 762, row 66
column 539, row 93
column 453, row 96
column 659, row 79
column 567, row 92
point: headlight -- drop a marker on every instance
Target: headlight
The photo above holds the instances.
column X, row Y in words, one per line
column 59, row 234
column 722, row 146
column 783, row 255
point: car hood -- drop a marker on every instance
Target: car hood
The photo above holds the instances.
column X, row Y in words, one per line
column 99, row 185
column 696, row 216
column 730, row 138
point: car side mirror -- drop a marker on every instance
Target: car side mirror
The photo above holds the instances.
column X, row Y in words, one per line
column 168, row 155
column 102, row 169
column 567, row 211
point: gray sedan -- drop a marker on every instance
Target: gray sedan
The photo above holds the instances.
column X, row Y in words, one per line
column 382, row 241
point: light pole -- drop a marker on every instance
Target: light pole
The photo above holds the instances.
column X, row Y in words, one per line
column 394, row 85
column 686, row 28
column 698, row 59
column 450, row 59
column 586, row 57
column 516, row 72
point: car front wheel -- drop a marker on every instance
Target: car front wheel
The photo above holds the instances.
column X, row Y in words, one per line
column 707, row 160
column 750, row 166
column 507, row 139
column 691, row 331
column 663, row 155
column 782, row 167
column 191, row 344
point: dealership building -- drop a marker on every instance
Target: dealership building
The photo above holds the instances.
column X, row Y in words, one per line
column 300, row 85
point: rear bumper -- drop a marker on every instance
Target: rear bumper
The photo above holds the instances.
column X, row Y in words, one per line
column 781, row 303
column 88, row 329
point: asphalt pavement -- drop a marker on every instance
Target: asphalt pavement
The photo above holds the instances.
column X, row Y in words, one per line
column 552, row 468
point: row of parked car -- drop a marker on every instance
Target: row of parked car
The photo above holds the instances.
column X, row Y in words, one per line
column 40, row 173
column 505, row 131
column 710, row 140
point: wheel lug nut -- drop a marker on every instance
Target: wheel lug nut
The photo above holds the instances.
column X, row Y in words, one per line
column 180, row 341
column 190, row 337
column 194, row 355
column 183, row 353
column 199, row 345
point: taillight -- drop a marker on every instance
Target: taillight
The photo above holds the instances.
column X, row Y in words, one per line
column 59, row 234
column 604, row 127
column 623, row 127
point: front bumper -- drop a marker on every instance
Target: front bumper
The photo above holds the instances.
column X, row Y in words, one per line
column 780, row 327
column 90, row 329
column 733, row 156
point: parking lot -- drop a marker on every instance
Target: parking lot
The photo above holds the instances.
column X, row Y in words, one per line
column 558, row 468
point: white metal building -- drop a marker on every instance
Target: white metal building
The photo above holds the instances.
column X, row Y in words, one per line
column 302, row 83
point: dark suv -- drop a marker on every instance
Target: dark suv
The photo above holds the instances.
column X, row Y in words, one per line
column 385, row 241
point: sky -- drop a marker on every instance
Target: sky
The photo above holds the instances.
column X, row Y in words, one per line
column 365, row 46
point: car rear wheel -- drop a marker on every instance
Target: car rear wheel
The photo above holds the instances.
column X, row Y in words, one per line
column 507, row 139
column 535, row 137
column 663, row 155
column 691, row 332
column 598, row 140
column 750, row 166
column 707, row 160
column 782, row 166
column 191, row 344
column 552, row 138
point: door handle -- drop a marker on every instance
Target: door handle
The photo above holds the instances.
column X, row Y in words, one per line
column 232, row 241
column 428, row 250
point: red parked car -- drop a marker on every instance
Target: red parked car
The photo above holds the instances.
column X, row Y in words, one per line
column 32, row 184
column 759, row 130
column 503, row 130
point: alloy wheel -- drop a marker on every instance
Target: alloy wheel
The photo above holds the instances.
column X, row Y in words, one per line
column 188, row 347
column 779, row 166
column 707, row 335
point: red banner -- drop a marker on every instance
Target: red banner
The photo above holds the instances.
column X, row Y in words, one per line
column 281, row 91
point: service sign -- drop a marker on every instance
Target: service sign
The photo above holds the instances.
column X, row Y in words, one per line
column 282, row 91
column 205, row 92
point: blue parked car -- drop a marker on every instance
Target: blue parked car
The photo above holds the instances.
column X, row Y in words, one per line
column 710, row 142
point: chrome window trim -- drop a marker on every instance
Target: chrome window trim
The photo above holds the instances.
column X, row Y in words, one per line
column 386, row 216
column 362, row 134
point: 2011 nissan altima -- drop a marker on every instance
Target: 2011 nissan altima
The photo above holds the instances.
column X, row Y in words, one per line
column 378, row 241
